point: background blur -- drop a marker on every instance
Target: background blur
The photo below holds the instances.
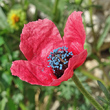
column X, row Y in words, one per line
column 18, row 95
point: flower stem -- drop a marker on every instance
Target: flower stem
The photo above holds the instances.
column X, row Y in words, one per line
column 55, row 7
column 91, row 20
column 86, row 94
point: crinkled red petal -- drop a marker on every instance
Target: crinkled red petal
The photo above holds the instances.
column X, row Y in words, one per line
column 38, row 38
column 74, row 34
column 33, row 74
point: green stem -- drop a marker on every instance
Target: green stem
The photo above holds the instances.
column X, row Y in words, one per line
column 55, row 7
column 105, row 75
column 86, row 94
column 87, row 73
column 55, row 12
column 91, row 13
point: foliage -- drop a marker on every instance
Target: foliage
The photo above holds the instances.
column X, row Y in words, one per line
column 105, row 100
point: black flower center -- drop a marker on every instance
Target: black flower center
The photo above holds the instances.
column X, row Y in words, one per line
column 58, row 60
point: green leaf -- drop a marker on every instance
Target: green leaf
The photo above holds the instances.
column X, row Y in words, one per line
column 1, row 40
column 103, row 88
column 3, row 103
column 11, row 105
column 3, row 20
column 7, row 78
column 104, row 34
column 102, row 99
column 22, row 106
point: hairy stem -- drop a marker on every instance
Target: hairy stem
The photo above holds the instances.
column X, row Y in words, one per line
column 86, row 94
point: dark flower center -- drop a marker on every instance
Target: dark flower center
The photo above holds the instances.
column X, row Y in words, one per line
column 58, row 60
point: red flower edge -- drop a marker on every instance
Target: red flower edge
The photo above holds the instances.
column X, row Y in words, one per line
column 41, row 37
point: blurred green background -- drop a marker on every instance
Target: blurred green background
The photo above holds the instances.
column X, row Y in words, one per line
column 18, row 95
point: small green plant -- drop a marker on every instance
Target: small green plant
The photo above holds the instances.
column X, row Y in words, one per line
column 105, row 100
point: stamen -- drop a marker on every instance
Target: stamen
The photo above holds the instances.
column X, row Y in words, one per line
column 58, row 60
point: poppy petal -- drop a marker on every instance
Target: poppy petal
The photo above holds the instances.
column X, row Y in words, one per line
column 31, row 73
column 74, row 34
column 77, row 60
column 38, row 38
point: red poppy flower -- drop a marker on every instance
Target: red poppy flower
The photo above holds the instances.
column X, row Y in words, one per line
column 50, row 59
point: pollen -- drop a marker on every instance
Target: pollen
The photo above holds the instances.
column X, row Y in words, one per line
column 58, row 60
column 14, row 18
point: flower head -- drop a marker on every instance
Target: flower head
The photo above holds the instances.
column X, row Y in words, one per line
column 16, row 18
column 50, row 59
